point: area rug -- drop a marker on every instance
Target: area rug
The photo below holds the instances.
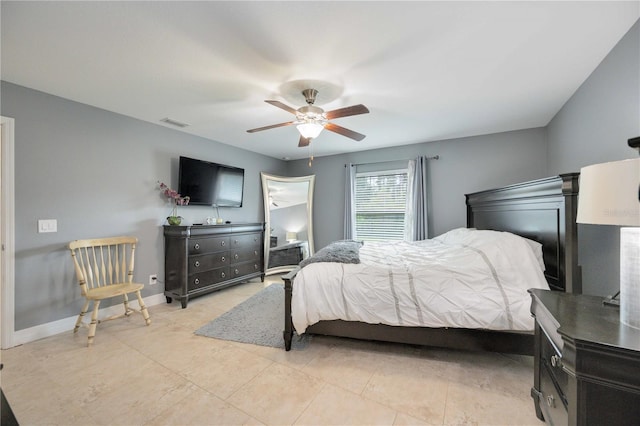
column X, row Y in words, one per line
column 258, row 320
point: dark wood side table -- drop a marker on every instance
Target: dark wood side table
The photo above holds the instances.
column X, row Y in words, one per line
column 587, row 364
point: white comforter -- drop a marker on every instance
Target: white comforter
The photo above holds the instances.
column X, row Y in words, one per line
column 464, row 279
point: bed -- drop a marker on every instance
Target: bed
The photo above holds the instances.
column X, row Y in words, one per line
column 543, row 211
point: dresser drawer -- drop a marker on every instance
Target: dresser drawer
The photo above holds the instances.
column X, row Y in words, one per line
column 204, row 262
column 246, row 254
column 552, row 406
column 246, row 240
column 551, row 360
column 245, row 268
column 208, row 245
column 204, row 279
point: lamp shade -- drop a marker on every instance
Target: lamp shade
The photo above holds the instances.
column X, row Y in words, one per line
column 292, row 236
column 609, row 193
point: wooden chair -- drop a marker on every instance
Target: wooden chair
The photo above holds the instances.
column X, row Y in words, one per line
column 104, row 268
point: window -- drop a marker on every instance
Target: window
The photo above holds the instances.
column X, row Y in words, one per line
column 380, row 204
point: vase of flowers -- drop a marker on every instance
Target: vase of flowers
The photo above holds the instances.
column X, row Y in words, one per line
column 176, row 200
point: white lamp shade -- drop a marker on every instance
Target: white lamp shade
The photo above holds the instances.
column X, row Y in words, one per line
column 292, row 236
column 609, row 193
column 310, row 130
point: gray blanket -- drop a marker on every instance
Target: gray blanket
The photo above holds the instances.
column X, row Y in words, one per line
column 345, row 251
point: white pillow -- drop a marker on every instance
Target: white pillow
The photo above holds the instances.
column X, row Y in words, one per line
column 453, row 235
column 457, row 234
column 536, row 247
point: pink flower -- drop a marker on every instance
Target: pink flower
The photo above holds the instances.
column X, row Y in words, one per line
column 173, row 195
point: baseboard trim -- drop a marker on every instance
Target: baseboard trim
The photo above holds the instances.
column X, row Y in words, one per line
column 41, row 331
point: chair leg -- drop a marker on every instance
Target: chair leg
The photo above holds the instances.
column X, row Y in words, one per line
column 94, row 322
column 127, row 310
column 143, row 308
column 81, row 316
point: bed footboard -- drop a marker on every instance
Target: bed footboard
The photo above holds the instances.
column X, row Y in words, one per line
column 288, row 324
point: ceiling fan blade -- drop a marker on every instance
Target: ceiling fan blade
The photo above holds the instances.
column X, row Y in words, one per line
column 347, row 111
column 273, row 126
column 344, row 132
column 283, row 106
column 304, row 142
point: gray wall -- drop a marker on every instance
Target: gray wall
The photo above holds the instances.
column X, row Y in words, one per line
column 465, row 165
column 593, row 127
column 95, row 172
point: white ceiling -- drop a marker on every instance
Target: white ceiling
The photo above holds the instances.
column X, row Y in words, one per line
column 426, row 70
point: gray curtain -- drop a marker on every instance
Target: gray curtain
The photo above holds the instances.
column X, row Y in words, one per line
column 416, row 226
column 349, row 189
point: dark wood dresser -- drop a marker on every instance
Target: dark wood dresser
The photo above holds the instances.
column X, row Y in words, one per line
column 288, row 254
column 204, row 258
column 587, row 364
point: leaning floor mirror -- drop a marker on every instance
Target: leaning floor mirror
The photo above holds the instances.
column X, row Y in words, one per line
column 288, row 207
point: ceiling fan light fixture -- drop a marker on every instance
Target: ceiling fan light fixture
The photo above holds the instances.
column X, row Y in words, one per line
column 310, row 119
column 310, row 130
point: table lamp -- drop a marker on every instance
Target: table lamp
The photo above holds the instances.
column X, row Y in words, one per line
column 610, row 195
column 291, row 236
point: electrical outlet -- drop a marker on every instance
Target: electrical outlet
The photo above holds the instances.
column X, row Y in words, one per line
column 153, row 279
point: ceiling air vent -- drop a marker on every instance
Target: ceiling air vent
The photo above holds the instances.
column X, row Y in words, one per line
column 174, row 122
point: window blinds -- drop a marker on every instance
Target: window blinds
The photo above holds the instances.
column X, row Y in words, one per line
column 380, row 204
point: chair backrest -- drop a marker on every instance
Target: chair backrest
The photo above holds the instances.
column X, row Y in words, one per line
column 103, row 261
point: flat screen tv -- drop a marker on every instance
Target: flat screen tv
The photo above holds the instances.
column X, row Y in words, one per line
column 210, row 184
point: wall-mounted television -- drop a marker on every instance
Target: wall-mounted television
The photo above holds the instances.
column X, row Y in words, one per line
column 210, row 184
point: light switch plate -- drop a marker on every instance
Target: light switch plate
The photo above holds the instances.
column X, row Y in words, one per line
column 47, row 225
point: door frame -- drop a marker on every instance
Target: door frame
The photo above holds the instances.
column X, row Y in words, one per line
column 7, row 232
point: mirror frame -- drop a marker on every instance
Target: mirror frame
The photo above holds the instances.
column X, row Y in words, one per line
column 266, row 177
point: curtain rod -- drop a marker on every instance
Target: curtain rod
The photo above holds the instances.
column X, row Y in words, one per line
column 435, row 157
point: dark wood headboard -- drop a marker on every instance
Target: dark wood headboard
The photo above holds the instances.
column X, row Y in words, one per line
column 543, row 210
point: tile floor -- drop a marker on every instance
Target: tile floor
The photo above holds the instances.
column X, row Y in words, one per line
column 164, row 374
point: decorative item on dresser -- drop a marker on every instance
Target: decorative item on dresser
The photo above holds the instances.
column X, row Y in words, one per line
column 543, row 211
column 176, row 200
column 587, row 363
column 205, row 258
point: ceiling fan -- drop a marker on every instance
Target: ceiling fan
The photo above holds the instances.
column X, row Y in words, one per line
column 310, row 119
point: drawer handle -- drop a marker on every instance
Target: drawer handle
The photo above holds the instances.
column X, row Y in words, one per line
column 196, row 281
column 196, row 246
column 222, row 274
column 255, row 252
column 235, row 256
column 197, row 263
column 223, row 259
column 223, row 243
column 556, row 361
column 235, row 241
column 551, row 401
column 255, row 266
column 236, row 271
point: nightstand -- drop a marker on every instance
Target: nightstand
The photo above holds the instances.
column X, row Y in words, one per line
column 587, row 364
